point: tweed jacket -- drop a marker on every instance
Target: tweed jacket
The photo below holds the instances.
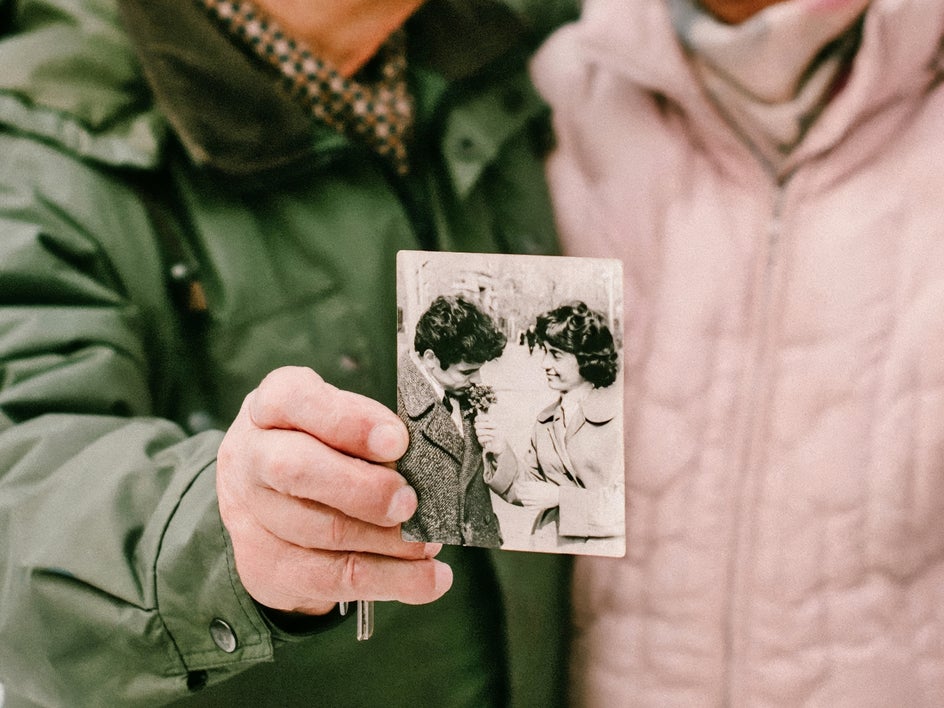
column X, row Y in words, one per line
column 444, row 467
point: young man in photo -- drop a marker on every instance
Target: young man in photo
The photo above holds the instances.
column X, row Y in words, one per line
column 444, row 462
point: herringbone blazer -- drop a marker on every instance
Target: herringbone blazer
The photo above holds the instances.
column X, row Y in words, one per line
column 444, row 467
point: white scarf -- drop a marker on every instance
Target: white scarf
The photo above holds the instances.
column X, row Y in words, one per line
column 772, row 74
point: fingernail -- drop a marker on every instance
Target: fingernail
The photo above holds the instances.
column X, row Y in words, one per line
column 443, row 577
column 403, row 505
column 431, row 550
column 386, row 441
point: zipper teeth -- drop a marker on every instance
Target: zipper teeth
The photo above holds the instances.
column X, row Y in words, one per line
column 758, row 379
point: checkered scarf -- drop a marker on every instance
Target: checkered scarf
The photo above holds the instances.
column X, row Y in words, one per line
column 377, row 113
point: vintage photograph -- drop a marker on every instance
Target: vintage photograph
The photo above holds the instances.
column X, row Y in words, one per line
column 509, row 380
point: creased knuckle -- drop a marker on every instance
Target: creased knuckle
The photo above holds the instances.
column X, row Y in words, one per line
column 339, row 528
column 261, row 403
column 225, row 455
column 295, row 482
column 351, row 572
column 331, row 420
column 285, row 576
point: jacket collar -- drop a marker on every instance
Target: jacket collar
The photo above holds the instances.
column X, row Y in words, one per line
column 416, row 393
column 224, row 105
column 418, row 400
column 599, row 406
column 227, row 108
column 900, row 54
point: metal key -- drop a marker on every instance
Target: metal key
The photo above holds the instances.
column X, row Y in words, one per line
column 365, row 617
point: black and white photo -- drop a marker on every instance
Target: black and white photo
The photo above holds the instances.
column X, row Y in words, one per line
column 509, row 382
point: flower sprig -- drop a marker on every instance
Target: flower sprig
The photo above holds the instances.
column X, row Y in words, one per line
column 480, row 398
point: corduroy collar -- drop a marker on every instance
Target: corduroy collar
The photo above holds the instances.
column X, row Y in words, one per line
column 227, row 108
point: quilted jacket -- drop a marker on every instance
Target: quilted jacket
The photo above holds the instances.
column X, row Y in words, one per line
column 784, row 372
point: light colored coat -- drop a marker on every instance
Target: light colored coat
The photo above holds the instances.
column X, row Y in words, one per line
column 784, row 373
column 585, row 466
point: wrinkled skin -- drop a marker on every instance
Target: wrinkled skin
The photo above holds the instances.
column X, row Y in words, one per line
column 313, row 509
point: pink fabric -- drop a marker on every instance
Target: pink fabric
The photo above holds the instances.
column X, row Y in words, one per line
column 784, row 373
column 772, row 74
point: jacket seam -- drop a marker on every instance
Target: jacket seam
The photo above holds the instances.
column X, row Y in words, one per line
column 186, row 659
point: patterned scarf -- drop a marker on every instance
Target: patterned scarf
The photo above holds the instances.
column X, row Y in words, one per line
column 772, row 75
column 377, row 113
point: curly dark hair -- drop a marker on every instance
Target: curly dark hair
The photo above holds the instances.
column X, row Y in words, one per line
column 456, row 330
column 583, row 332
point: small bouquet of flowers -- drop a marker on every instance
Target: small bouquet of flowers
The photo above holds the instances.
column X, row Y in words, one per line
column 479, row 398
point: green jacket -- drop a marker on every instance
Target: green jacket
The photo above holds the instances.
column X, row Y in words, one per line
column 113, row 393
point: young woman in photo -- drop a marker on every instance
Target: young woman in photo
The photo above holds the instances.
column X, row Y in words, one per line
column 572, row 471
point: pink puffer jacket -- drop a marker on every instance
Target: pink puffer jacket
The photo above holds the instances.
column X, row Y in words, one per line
column 784, row 373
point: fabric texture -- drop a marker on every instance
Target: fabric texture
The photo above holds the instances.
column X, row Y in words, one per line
column 379, row 112
column 444, row 466
column 772, row 74
column 784, row 371
column 114, row 566
column 584, row 462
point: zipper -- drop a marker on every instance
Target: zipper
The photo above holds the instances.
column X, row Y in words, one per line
column 757, row 382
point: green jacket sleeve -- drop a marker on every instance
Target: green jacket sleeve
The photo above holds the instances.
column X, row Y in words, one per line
column 114, row 564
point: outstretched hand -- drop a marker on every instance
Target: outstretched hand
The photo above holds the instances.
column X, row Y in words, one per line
column 312, row 508
column 488, row 434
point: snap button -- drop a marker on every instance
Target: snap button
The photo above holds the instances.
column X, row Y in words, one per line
column 466, row 149
column 180, row 272
column 223, row 635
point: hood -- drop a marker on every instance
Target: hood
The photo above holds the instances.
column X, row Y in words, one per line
column 901, row 54
column 69, row 76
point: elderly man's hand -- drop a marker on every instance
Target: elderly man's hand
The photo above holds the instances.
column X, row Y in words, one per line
column 312, row 508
